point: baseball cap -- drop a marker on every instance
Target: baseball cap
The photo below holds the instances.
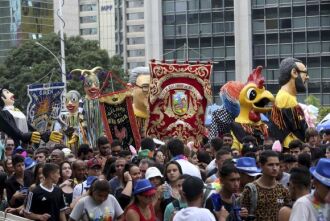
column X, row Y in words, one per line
column 93, row 162
column 153, row 172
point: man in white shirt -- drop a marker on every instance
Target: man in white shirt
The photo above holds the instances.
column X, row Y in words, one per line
column 176, row 148
column 193, row 191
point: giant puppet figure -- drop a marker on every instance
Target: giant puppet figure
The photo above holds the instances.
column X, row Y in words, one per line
column 229, row 110
column 72, row 121
column 92, row 115
column 140, row 80
column 13, row 122
column 287, row 119
column 253, row 100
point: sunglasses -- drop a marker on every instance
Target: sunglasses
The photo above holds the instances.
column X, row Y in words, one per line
column 300, row 71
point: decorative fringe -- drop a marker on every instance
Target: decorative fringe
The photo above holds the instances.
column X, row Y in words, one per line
column 277, row 118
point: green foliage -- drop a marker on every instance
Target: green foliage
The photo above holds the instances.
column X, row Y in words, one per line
column 312, row 100
column 31, row 63
column 323, row 111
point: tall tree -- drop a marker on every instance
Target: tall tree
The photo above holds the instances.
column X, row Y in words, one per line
column 31, row 63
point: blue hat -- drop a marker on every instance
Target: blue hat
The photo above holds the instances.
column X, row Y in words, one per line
column 18, row 149
column 143, row 185
column 29, row 163
column 248, row 165
column 322, row 171
column 90, row 180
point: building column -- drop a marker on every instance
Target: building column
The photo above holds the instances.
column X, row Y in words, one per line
column 243, row 39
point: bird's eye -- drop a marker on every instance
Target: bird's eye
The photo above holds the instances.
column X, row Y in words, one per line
column 251, row 94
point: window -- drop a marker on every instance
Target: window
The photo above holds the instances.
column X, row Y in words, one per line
column 192, row 18
column 230, row 40
column 312, row 10
column 134, row 16
column 259, row 50
column 179, row 42
column 204, row 17
column 205, row 4
column 259, row 39
column 169, row 19
column 325, row 21
column 258, row 26
column 285, row 12
column 271, row 12
column 272, row 38
column 313, row 22
column 193, row 42
column 180, row 6
column 313, row 36
column 217, row 4
column 169, row 30
column 168, row 6
column 217, row 16
column 258, row 14
column 218, row 41
column 299, row 48
column 271, row 24
column 135, row 53
column 206, row 42
column 135, row 3
column 229, row 26
column 88, row 19
column 180, row 19
column 205, row 28
column 313, row 62
column 285, row 23
column 229, row 3
column 298, row 11
column 325, row 61
column 137, row 40
column 169, row 44
column 88, row 31
column 272, row 49
column 135, row 28
column 272, row 63
column 299, row 37
column 325, row 9
column 230, row 65
column 229, row 15
column 193, row 4
column 298, row 22
column 259, row 62
column 325, row 35
column 285, row 38
column 193, row 29
column 88, row 7
column 285, row 49
column 180, row 30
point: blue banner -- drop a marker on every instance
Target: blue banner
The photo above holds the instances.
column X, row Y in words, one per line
column 45, row 104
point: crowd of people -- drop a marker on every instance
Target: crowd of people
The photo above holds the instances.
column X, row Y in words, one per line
column 169, row 182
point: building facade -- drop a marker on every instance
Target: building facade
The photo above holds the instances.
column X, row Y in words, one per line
column 239, row 35
column 297, row 28
column 23, row 20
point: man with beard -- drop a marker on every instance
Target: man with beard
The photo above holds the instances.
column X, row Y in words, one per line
column 287, row 119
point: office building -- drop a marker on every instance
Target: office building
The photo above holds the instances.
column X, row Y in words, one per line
column 239, row 35
column 23, row 20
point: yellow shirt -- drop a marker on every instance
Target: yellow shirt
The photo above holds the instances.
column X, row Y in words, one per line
column 285, row 100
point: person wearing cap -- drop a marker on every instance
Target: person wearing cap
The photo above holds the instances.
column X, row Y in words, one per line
column 94, row 169
column 141, row 208
column 248, row 170
column 99, row 204
column 313, row 207
column 193, row 191
column 29, row 164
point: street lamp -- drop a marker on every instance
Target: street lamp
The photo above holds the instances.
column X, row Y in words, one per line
column 59, row 63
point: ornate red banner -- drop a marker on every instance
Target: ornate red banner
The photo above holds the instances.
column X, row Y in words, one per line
column 179, row 94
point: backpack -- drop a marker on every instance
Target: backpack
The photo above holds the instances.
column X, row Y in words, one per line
column 254, row 197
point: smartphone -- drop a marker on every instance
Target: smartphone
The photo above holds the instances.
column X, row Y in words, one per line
column 24, row 190
column 216, row 201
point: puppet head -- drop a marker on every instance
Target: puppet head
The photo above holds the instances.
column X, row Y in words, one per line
column 140, row 79
column 254, row 98
column 91, row 81
column 292, row 69
column 7, row 98
column 72, row 101
column 229, row 94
